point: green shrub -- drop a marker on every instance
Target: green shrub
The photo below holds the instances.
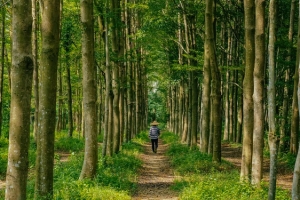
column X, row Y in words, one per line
column 69, row 144
column 169, row 137
column 192, row 161
column 141, row 138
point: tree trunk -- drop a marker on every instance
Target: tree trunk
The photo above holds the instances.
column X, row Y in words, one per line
column 296, row 175
column 70, row 101
column 248, row 91
column 47, row 96
column 117, row 47
column 295, row 108
column 226, row 109
column 89, row 167
column 205, row 111
column 215, row 80
column 258, row 102
column 3, row 38
column 296, row 179
column 21, row 85
column 272, row 136
column 107, row 140
column 59, row 123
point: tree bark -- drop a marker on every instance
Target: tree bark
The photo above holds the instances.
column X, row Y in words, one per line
column 50, row 12
column 215, row 80
column 295, row 107
column 21, row 85
column 3, row 38
column 89, row 167
column 258, row 102
column 272, row 136
column 296, row 175
column 248, row 91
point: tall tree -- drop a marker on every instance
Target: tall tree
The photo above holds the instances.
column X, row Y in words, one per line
column 258, row 94
column 272, row 136
column 35, row 64
column 206, row 90
column 50, row 16
column 248, row 91
column 21, row 85
column 3, row 38
column 296, row 175
column 215, row 80
column 89, row 91
column 108, row 130
column 295, row 108
column 117, row 52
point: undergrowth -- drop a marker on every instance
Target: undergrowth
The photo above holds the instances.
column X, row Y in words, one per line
column 115, row 179
column 201, row 178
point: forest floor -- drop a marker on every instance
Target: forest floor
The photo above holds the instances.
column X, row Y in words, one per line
column 156, row 175
column 284, row 175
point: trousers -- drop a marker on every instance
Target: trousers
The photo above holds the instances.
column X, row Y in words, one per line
column 154, row 144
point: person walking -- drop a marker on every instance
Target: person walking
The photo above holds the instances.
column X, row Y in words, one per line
column 153, row 134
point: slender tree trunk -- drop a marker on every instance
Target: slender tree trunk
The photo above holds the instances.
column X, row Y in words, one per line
column 226, row 109
column 89, row 167
column 107, row 140
column 185, row 114
column 205, row 111
column 272, row 136
column 295, row 109
column 70, row 100
column 215, row 80
column 47, row 97
column 117, row 50
column 258, row 103
column 3, row 38
column 248, row 91
column 296, row 175
column 21, row 85
column 296, row 179
column 59, row 123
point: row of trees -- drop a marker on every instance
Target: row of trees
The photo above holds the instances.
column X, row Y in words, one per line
column 124, row 48
column 85, row 65
column 251, row 43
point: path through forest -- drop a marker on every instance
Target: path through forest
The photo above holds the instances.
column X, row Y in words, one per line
column 156, row 175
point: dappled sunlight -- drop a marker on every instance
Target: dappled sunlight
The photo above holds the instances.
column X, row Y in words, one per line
column 156, row 175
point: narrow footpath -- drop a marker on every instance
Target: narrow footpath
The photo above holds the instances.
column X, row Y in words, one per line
column 155, row 176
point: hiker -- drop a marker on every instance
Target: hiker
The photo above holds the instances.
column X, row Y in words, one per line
column 153, row 134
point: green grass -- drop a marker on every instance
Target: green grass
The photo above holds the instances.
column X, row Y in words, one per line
column 201, row 178
column 115, row 179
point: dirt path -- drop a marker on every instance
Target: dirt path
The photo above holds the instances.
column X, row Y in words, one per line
column 156, row 175
column 284, row 176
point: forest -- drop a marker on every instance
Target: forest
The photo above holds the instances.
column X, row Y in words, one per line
column 81, row 82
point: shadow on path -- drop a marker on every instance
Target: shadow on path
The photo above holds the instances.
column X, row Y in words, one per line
column 156, row 175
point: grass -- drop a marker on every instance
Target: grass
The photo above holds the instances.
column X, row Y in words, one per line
column 201, row 178
column 115, row 179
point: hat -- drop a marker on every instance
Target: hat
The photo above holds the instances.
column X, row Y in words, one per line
column 154, row 123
